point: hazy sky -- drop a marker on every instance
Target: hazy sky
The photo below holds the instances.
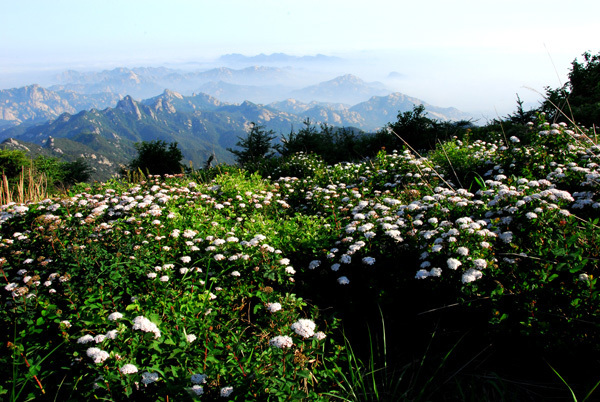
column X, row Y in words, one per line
column 474, row 55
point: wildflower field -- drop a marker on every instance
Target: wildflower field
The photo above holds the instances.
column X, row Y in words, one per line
column 468, row 273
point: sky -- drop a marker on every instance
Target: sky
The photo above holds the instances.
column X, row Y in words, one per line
column 473, row 55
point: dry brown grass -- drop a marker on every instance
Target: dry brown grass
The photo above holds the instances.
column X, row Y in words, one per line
column 29, row 187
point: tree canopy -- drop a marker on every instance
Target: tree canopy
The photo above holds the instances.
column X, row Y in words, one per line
column 254, row 147
column 579, row 98
column 157, row 158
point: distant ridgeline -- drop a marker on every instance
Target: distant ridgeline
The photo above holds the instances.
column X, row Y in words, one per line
column 102, row 126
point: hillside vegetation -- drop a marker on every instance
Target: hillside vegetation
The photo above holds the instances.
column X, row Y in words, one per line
column 461, row 269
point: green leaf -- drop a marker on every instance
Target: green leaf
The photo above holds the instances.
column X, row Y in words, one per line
column 576, row 268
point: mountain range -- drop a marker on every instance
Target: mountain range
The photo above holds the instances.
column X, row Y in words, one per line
column 101, row 115
column 260, row 85
column 200, row 124
column 34, row 104
column 275, row 58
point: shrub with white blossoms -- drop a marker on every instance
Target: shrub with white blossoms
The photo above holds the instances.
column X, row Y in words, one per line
column 368, row 260
column 197, row 389
column 314, row 264
column 273, row 307
column 98, row 355
column 198, row 378
column 453, row 263
column 281, row 341
column 143, row 324
column 458, row 235
column 129, row 369
column 148, row 378
column 115, row 316
column 304, row 327
column 343, row 280
column 226, row 392
column 85, row 339
column 471, row 275
column 422, row 274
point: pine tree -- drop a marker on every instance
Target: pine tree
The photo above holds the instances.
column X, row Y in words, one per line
column 255, row 147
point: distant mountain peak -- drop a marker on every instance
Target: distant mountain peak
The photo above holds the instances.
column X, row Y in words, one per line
column 249, row 105
column 128, row 105
column 172, row 94
column 274, row 58
column 346, row 88
column 347, row 79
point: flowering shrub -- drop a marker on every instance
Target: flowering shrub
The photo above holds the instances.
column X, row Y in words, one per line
column 197, row 286
column 133, row 290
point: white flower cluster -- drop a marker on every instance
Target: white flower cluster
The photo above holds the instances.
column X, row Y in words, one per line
column 281, row 341
column 198, row 378
column 453, row 263
column 314, row 264
column 471, row 275
column 343, row 280
column 85, row 339
column 304, row 327
column 226, row 391
column 115, row 316
column 129, row 369
column 368, row 260
column 197, row 389
column 273, row 307
column 144, row 324
column 148, row 378
column 97, row 355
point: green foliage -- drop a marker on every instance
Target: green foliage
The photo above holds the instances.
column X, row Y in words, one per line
column 415, row 129
column 12, row 161
column 578, row 99
column 57, row 173
column 157, row 158
column 203, row 257
column 78, row 171
column 332, row 144
column 521, row 116
column 255, row 147
column 460, row 161
column 455, row 274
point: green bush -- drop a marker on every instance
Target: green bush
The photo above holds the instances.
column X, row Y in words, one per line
column 157, row 158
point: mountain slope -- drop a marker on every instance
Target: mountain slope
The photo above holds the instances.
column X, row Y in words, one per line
column 147, row 82
column 370, row 115
column 347, row 89
column 379, row 110
column 236, row 93
column 112, row 133
column 34, row 104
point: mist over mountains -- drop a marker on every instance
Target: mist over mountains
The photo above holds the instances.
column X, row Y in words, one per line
column 99, row 115
column 76, row 91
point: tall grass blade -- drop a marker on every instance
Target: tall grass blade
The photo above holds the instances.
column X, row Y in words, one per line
column 563, row 380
